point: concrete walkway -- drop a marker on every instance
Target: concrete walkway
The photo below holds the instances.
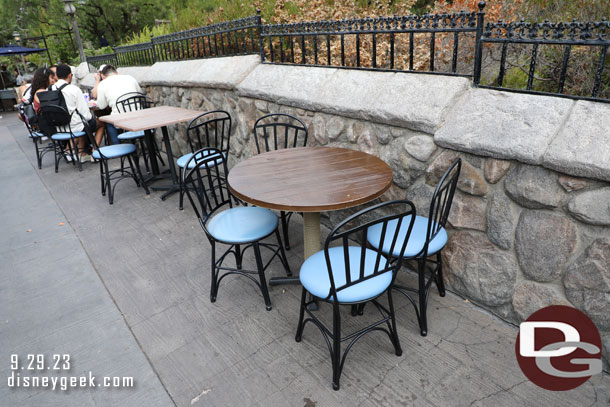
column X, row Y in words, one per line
column 52, row 300
column 124, row 289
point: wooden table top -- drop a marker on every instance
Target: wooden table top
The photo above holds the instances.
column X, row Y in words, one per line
column 151, row 118
column 310, row 179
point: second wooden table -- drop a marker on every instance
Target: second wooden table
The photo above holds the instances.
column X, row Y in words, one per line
column 153, row 118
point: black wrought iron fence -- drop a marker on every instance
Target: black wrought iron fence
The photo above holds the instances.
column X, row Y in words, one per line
column 562, row 59
column 237, row 37
column 551, row 58
column 99, row 60
column 135, row 54
column 429, row 43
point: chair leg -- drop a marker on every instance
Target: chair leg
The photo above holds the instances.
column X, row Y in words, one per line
column 261, row 275
column 336, row 355
column 214, row 286
column 181, row 185
column 440, row 284
column 283, row 254
column 299, row 334
column 139, row 173
column 285, row 229
column 394, row 332
column 38, row 154
column 108, row 184
column 423, row 298
column 238, row 257
column 57, row 147
column 102, row 179
column 133, row 171
column 75, row 154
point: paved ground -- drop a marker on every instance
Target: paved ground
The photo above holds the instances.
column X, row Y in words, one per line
column 124, row 289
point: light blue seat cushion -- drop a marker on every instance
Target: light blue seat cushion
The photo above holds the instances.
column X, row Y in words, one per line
column 66, row 136
column 115, row 150
column 416, row 240
column 186, row 157
column 130, row 135
column 242, row 224
column 314, row 274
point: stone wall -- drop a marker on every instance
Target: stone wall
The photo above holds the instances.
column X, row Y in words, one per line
column 530, row 224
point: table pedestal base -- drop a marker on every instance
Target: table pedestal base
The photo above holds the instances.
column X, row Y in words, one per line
column 311, row 243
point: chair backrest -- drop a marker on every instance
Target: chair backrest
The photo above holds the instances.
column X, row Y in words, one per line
column 401, row 212
column 441, row 202
column 279, row 130
column 205, row 183
column 210, row 129
column 55, row 116
column 28, row 125
column 133, row 101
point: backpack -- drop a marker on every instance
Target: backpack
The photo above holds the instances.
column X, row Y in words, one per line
column 27, row 112
column 56, row 98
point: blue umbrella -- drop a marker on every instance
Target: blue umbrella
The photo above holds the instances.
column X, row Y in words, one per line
column 12, row 49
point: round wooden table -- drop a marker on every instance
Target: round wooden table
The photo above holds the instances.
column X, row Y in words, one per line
column 310, row 180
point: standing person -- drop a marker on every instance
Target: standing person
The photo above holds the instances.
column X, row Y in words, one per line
column 75, row 100
column 109, row 86
column 18, row 77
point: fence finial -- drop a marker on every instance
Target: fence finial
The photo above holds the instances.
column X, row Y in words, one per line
column 481, row 5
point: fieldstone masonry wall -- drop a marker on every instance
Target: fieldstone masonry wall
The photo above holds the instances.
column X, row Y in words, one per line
column 530, row 225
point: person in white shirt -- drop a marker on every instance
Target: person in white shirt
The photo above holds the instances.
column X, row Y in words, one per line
column 108, row 88
column 75, row 100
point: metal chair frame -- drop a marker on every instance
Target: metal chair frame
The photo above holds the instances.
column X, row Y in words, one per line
column 110, row 178
column 437, row 217
column 440, row 205
column 272, row 125
column 58, row 145
column 130, row 102
column 400, row 210
column 207, row 191
column 208, row 130
column 41, row 150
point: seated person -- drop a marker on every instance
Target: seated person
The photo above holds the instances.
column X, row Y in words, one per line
column 75, row 100
column 109, row 86
column 42, row 79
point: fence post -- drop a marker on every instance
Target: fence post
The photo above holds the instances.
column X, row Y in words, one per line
column 152, row 46
column 478, row 52
column 259, row 24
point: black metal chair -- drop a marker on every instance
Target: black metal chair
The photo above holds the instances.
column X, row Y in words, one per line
column 208, row 130
column 349, row 274
column 130, row 102
column 285, row 131
column 110, row 178
column 64, row 135
column 38, row 138
column 238, row 226
column 427, row 240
